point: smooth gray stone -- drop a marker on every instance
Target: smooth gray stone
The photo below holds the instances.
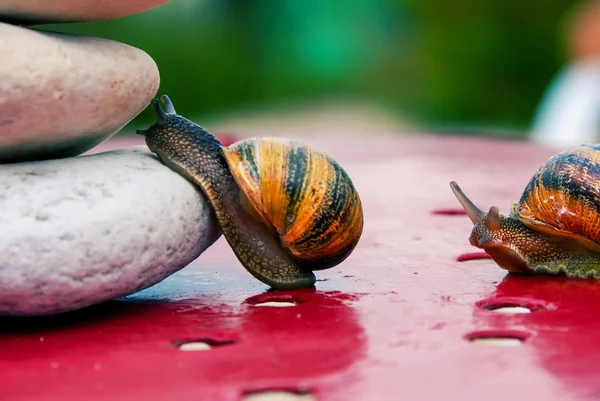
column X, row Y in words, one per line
column 80, row 231
column 61, row 95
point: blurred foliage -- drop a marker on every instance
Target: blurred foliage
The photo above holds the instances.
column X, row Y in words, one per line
column 464, row 62
column 485, row 61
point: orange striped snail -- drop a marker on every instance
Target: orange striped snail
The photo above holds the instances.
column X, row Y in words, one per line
column 555, row 226
column 285, row 209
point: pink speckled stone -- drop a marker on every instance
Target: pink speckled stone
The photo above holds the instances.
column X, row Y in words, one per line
column 60, row 95
column 48, row 11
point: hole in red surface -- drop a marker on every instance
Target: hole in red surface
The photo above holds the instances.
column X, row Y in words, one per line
column 498, row 338
column 473, row 257
column 514, row 305
column 449, row 212
column 278, row 395
column 201, row 344
column 281, row 298
column 277, row 304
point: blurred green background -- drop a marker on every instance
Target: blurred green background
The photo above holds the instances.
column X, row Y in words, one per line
column 466, row 64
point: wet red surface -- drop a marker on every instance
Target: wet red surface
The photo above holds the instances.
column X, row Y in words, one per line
column 396, row 321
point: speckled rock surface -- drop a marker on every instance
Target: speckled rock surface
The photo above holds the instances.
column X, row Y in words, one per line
column 75, row 232
column 60, row 95
column 43, row 11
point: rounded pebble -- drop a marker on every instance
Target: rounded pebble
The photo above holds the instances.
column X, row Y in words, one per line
column 80, row 231
column 45, row 11
column 61, row 95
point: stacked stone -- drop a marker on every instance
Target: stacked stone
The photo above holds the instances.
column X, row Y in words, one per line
column 76, row 231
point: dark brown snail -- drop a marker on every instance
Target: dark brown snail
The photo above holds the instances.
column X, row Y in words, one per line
column 284, row 208
column 555, row 226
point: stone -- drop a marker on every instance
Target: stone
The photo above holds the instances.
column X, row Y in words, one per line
column 60, row 95
column 80, row 231
column 44, row 11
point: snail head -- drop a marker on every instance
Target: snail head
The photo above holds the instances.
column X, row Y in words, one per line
column 173, row 136
column 497, row 235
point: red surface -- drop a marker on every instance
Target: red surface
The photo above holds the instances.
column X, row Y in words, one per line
column 393, row 322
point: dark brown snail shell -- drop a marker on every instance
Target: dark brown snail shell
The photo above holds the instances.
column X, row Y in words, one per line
column 555, row 226
column 286, row 209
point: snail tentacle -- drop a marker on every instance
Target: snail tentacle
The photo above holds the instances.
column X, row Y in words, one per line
column 474, row 213
column 196, row 154
column 170, row 109
column 158, row 111
column 492, row 219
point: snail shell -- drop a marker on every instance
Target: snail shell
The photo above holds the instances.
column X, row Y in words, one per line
column 285, row 208
column 303, row 194
column 555, row 226
column 562, row 198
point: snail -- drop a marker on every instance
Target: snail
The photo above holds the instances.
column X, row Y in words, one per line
column 284, row 208
column 555, row 227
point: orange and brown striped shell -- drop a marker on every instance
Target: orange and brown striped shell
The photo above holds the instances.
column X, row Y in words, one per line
column 563, row 196
column 306, row 197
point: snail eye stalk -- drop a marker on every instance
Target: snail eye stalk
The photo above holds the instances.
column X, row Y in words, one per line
column 474, row 213
column 168, row 104
column 161, row 115
column 492, row 220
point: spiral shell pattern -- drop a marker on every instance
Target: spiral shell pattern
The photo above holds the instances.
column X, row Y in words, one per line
column 563, row 196
column 306, row 197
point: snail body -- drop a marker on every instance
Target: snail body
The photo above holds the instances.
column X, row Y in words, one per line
column 555, row 226
column 285, row 209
